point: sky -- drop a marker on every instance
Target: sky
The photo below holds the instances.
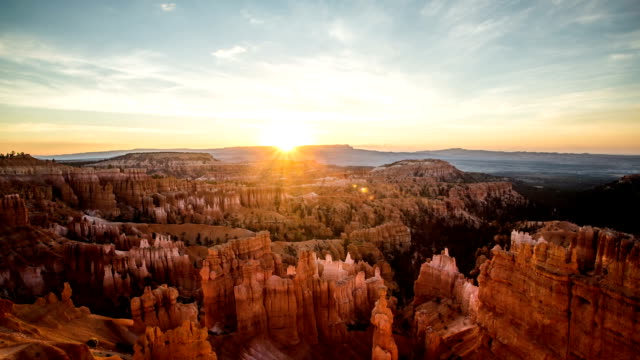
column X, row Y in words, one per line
column 547, row 75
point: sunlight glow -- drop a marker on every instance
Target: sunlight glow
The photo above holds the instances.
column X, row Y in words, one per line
column 287, row 136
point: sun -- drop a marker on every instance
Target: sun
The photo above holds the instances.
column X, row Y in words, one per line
column 287, row 136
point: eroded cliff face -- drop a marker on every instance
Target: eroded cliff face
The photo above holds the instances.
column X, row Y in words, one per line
column 445, row 308
column 566, row 292
column 393, row 236
column 106, row 274
column 223, row 270
column 439, row 278
column 13, row 211
column 246, row 289
column 187, row 342
column 129, row 194
column 159, row 307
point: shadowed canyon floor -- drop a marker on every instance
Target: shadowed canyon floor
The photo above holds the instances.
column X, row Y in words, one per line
column 182, row 256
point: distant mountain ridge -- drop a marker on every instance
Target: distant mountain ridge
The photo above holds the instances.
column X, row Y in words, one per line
column 246, row 151
column 535, row 168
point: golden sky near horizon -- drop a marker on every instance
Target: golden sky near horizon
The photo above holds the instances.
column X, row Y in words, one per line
column 544, row 76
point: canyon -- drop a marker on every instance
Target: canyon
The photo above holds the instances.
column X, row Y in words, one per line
column 185, row 256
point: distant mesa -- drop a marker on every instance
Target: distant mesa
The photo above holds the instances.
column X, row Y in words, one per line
column 158, row 159
column 427, row 168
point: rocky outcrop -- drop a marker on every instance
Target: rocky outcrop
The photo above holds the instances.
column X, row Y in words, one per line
column 132, row 194
column 223, row 270
column 387, row 237
column 439, row 278
column 249, row 300
column 55, row 350
column 305, row 273
column 438, row 170
column 164, row 163
column 160, row 308
column 445, row 307
column 384, row 345
column 13, row 211
column 281, row 305
column 261, row 197
column 487, row 197
column 52, row 328
column 443, row 331
column 188, row 342
column 97, row 230
column 565, row 292
column 245, row 288
column 92, row 193
column 101, row 271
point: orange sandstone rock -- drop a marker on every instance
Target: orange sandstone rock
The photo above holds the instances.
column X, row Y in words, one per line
column 186, row 342
column 384, row 345
column 160, row 308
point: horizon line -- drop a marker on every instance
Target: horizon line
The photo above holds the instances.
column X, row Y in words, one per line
column 368, row 147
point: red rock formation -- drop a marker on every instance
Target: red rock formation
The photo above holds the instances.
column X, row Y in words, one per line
column 160, row 308
column 92, row 194
column 390, row 236
column 407, row 169
column 48, row 350
column 305, row 272
column 266, row 198
column 222, row 271
column 53, row 328
column 440, row 278
column 245, row 288
column 384, row 345
column 13, row 211
column 94, row 229
column 111, row 273
column 164, row 163
column 445, row 307
column 249, row 300
column 187, row 342
column 443, row 331
column 488, row 196
column 331, row 327
column 281, row 308
column 566, row 292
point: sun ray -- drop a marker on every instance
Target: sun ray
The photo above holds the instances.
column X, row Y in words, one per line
column 287, row 136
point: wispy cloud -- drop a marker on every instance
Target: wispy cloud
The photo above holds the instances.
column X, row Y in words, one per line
column 168, row 7
column 251, row 18
column 229, row 53
column 44, row 127
column 339, row 31
column 618, row 57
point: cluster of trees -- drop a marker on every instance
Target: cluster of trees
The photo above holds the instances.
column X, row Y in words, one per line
column 11, row 155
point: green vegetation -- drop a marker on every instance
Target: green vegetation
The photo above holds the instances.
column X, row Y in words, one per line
column 13, row 154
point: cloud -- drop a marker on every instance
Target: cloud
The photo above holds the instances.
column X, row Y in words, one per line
column 44, row 127
column 168, row 7
column 229, row 53
column 340, row 32
column 620, row 56
column 251, row 18
column 329, row 88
